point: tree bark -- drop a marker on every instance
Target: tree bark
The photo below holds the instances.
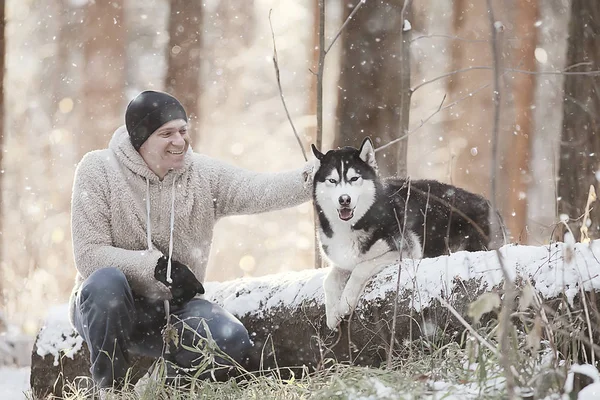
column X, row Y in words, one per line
column 104, row 79
column 516, row 164
column 580, row 138
column 285, row 313
column 2, row 67
column 184, row 57
column 468, row 133
column 371, row 83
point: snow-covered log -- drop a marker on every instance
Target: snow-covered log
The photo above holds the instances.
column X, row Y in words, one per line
column 285, row 313
column 60, row 355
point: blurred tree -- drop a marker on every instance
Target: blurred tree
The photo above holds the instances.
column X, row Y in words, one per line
column 104, row 77
column 580, row 140
column 515, row 172
column 2, row 66
column 374, row 82
column 468, row 133
column 184, row 56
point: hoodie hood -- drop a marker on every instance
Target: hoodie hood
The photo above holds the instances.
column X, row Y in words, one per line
column 120, row 144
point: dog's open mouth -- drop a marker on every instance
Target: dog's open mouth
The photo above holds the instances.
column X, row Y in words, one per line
column 346, row 213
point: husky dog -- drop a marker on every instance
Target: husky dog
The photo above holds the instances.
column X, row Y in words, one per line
column 366, row 223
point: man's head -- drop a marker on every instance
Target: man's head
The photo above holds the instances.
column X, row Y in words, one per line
column 157, row 126
column 148, row 111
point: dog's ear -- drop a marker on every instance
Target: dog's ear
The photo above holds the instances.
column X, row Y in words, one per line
column 367, row 154
column 316, row 152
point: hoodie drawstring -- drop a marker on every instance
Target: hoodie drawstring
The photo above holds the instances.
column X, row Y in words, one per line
column 148, row 222
column 149, row 238
column 171, row 225
column 171, row 232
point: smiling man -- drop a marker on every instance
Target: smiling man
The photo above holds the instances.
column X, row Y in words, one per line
column 143, row 213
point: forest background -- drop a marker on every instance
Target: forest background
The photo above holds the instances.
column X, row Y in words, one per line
column 501, row 96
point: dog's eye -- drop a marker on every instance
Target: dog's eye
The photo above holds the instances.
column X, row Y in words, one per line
column 354, row 179
column 332, row 181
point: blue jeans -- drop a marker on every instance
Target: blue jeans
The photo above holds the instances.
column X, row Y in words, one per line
column 116, row 323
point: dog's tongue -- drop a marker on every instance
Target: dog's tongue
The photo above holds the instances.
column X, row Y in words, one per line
column 345, row 213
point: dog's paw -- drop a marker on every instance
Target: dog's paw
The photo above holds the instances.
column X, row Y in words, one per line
column 333, row 320
column 344, row 309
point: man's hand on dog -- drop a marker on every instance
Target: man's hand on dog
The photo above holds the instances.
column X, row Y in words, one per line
column 184, row 285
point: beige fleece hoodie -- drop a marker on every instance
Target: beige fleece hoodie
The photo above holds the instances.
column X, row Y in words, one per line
column 109, row 215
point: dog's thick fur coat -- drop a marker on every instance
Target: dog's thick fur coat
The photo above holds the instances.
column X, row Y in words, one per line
column 366, row 223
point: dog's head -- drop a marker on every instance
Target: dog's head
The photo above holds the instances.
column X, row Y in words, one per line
column 345, row 182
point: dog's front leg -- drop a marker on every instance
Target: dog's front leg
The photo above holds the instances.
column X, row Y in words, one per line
column 358, row 279
column 334, row 284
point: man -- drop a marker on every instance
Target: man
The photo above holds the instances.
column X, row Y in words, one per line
column 143, row 213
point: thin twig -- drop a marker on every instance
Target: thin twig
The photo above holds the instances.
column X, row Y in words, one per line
column 509, row 286
column 320, row 68
column 405, row 91
column 400, row 251
column 468, row 327
column 458, row 71
column 277, row 75
column 587, row 318
column 423, row 122
column 319, row 139
column 519, row 71
column 496, row 101
column 339, row 32
column 449, row 37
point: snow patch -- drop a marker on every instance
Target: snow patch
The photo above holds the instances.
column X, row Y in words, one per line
column 14, row 382
column 57, row 337
column 253, row 295
column 553, row 269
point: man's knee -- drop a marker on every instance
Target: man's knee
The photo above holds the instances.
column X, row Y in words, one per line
column 105, row 285
column 228, row 333
column 233, row 339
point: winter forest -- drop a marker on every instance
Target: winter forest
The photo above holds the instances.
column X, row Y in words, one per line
column 499, row 97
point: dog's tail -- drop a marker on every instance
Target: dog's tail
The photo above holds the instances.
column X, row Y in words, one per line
column 498, row 231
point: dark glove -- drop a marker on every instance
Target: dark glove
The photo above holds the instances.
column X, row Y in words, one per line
column 184, row 286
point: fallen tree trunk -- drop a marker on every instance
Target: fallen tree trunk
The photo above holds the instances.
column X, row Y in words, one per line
column 285, row 313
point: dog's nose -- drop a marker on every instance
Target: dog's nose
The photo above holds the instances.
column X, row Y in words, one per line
column 344, row 200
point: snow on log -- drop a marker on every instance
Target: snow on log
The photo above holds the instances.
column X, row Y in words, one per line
column 60, row 355
column 285, row 313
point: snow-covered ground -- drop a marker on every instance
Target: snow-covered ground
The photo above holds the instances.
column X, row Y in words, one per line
column 555, row 269
column 14, row 382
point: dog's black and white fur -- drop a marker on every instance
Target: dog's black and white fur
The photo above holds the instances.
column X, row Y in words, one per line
column 363, row 225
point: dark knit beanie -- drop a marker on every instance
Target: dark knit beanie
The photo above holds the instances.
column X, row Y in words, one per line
column 149, row 111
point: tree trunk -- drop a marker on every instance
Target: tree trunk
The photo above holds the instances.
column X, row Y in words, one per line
column 542, row 203
column 285, row 314
column 104, row 79
column 580, row 139
column 371, row 101
column 515, row 171
column 469, row 133
column 2, row 66
column 184, row 56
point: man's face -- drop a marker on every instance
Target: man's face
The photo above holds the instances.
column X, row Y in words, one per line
column 165, row 149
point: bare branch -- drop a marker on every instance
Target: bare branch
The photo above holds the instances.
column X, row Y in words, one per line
column 339, row 32
column 400, row 251
column 519, row 71
column 495, row 29
column 321, row 68
column 509, row 286
column 405, row 92
column 277, row 75
column 470, row 94
column 564, row 72
column 458, row 71
column 452, row 37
